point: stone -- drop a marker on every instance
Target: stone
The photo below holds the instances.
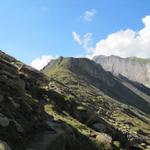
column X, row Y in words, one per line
column 143, row 144
column 99, row 127
column 116, row 145
column 103, row 139
column 1, row 98
column 19, row 127
column 4, row 121
column 148, row 147
column 4, row 146
column 16, row 106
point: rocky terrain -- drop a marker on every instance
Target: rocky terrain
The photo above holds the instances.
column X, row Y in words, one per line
column 26, row 121
column 133, row 68
column 73, row 105
column 115, row 106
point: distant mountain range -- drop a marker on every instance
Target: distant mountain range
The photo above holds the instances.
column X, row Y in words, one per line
column 71, row 104
column 136, row 69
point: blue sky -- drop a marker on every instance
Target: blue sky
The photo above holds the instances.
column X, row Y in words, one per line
column 32, row 28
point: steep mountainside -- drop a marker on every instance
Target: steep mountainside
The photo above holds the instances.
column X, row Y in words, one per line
column 30, row 112
column 136, row 69
column 75, row 106
column 108, row 103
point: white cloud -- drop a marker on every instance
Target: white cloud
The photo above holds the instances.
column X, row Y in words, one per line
column 126, row 43
column 76, row 37
column 88, row 15
column 122, row 43
column 86, row 41
column 41, row 62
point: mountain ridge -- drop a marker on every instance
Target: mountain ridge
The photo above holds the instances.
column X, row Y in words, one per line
column 89, row 81
column 81, row 66
column 73, row 105
column 117, row 65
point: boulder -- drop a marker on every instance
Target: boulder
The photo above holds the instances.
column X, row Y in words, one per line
column 15, row 105
column 4, row 121
column 4, row 146
column 99, row 127
column 1, row 98
column 116, row 145
column 19, row 127
column 103, row 141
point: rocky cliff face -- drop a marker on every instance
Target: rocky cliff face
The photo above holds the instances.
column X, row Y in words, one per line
column 133, row 68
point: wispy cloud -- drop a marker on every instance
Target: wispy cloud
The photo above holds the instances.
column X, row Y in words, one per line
column 41, row 62
column 86, row 41
column 89, row 14
column 76, row 38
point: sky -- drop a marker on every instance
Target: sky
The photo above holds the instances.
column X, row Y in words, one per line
column 36, row 31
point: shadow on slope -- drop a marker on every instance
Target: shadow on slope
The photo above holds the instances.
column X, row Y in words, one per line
column 92, row 74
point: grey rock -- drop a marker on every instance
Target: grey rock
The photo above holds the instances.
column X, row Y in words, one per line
column 4, row 146
column 136, row 69
column 16, row 106
column 103, row 139
column 19, row 127
column 99, row 127
column 1, row 98
column 4, row 121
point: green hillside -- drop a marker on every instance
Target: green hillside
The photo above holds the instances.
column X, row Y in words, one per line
column 116, row 107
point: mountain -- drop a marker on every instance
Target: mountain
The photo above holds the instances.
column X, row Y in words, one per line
column 109, row 103
column 73, row 104
column 133, row 68
column 31, row 113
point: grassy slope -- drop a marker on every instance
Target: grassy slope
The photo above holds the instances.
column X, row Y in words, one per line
column 31, row 124
column 125, row 118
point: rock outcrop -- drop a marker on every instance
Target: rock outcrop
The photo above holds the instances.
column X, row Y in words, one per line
column 136, row 69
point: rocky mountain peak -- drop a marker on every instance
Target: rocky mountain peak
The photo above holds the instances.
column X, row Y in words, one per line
column 136, row 69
